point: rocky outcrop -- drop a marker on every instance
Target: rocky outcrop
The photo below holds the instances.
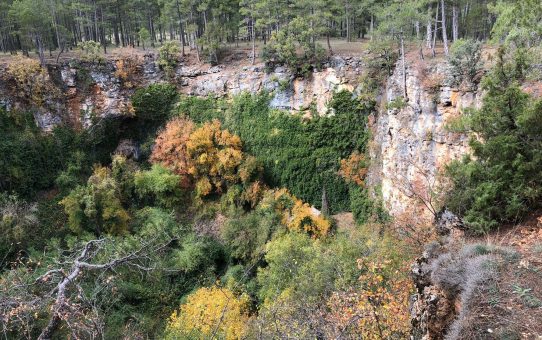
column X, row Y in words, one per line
column 91, row 91
column 289, row 92
column 411, row 143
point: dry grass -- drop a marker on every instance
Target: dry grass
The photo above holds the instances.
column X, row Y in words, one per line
column 509, row 305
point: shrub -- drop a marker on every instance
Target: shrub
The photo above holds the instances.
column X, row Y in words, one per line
column 159, row 183
column 199, row 110
column 155, row 101
column 91, row 51
column 207, row 310
column 32, row 82
column 198, row 254
column 126, row 70
column 18, row 223
column 168, row 57
column 282, row 48
column 97, row 207
column 501, row 183
column 465, row 61
column 248, row 234
column 170, row 149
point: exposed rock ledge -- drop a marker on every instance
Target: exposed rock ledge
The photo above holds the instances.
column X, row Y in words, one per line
column 91, row 90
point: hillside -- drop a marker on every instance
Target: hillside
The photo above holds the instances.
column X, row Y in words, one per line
column 267, row 170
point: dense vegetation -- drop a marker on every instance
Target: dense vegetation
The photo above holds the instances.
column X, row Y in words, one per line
column 300, row 154
column 218, row 223
column 205, row 217
column 501, row 181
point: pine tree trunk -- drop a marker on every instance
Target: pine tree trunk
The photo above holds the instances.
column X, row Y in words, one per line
column 443, row 25
column 372, row 27
column 428, row 34
column 455, row 22
column 181, row 27
column 405, row 95
column 435, row 31
column 41, row 55
column 253, row 35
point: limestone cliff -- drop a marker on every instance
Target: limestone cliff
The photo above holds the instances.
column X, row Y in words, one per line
column 94, row 90
column 411, row 143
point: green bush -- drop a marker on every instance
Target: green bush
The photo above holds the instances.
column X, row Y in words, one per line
column 160, row 184
column 168, row 57
column 465, row 61
column 155, row 101
column 284, row 45
column 200, row 110
column 503, row 180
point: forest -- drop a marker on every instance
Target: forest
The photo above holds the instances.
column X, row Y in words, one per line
column 208, row 217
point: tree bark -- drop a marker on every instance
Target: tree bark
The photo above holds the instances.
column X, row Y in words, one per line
column 372, row 27
column 181, row 28
column 455, row 22
column 435, row 30
column 253, row 35
column 443, row 25
column 429, row 31
column 405, row 95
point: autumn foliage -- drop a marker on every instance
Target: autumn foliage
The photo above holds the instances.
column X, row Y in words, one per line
column 353, row 169
column 299, row 216
column 208, row 313
column 171, row 151
column 215, row 155
column 207, row 157
column 379, row 310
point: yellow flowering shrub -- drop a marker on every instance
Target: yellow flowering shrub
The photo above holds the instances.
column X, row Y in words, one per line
column 208, row 312
column 299, row 216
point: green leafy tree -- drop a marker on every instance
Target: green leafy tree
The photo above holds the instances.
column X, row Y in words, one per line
column 143, row 36
column 501, row 181
column 97, row 207
column 518, row 22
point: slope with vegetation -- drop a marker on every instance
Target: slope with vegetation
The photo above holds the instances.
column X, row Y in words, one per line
column 191, row 217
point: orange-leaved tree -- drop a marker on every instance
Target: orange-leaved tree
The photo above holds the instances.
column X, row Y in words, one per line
column 208, row 157
column 170, row 149
column 213, row 312
column 354, row 168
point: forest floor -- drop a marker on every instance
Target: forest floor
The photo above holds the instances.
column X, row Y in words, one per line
column 511, row 305
column 339, row 46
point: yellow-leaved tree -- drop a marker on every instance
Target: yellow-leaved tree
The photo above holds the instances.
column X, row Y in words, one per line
column 299, row 216
column 380, row 309
column 31, row 81
column 213, row 312
column 216, row 156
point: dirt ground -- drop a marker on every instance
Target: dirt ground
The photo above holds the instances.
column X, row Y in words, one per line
column 510, row 307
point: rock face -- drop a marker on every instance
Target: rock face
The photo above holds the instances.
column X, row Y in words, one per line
column 92, row 91
column 289, row 93
column 435, row 305
column 411, row 143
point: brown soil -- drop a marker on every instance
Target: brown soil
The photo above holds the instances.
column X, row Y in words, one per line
column 510, row 307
